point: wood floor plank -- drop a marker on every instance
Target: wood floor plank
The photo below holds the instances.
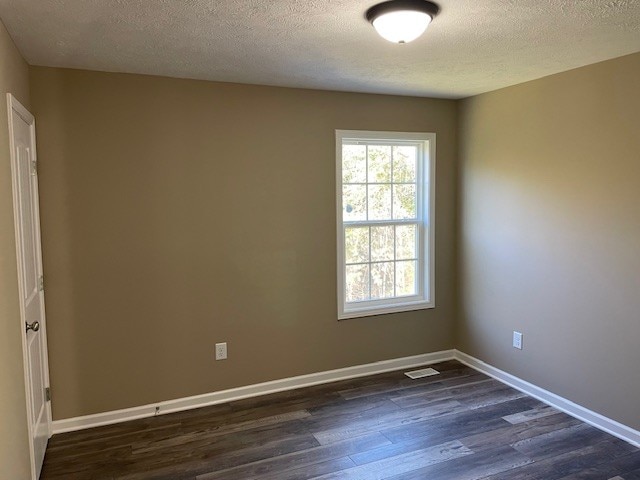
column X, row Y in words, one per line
column 458, row 425
column 471, row 467
column 569, row 461
column 102, row 466
column 319, row 422
column 403, row 463
column 386, row 383
column 195, row 462
column 509, row 434
column 443, row 392
column 559, row 441
column 358, row 406
column 313, row 470
column 225, row 430
column 537, row 412
column 607, row 469
column 399, row 418
column 443, row 429
column 276, row 467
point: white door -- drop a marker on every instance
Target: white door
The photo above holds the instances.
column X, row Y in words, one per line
column 31, row 286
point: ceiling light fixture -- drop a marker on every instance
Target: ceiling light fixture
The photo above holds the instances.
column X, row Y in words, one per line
column 402, row 21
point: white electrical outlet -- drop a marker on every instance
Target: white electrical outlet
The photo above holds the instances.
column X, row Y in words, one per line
column 221, row 351
column 517, row 340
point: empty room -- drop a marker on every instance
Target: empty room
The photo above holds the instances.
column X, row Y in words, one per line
column 296, row 240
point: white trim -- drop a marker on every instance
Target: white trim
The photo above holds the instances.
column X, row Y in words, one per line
column 392, row 308
column 597, row 420
column 223, row 396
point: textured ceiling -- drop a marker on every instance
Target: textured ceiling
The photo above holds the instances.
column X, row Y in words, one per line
column 471, row 47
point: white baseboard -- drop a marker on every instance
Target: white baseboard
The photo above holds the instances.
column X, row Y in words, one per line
column 223, row 396
column 601, row 422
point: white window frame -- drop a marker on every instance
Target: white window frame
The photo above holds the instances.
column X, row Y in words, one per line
column 425, row 297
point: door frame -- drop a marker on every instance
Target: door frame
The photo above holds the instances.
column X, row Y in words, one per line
column 13, row 105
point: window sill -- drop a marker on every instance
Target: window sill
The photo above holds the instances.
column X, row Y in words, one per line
column 378, row 310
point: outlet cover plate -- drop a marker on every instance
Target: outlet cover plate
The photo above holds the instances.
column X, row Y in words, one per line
column 221, row 351
column 517, row 340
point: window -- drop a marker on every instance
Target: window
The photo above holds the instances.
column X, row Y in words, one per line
column 385, row 206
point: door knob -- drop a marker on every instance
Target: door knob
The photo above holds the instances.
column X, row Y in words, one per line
column 35, row 326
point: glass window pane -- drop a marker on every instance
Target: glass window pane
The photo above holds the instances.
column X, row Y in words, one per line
column 379, row 164
column 354, row 202
column 379, row 202
column 382, row 243
column 357, row 283
column 356, row 244
column 404, row 163
column 405, row 278
column 354, row 164
column 404, row 201
column 406, row 241
column 382, row 280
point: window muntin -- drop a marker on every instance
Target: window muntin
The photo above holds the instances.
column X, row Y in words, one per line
column 385, row 213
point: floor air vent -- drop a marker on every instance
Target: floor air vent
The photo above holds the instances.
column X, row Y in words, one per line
column 425, row 372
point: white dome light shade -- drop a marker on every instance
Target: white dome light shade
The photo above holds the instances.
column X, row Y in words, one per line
column 402, row 26
column 402, row 21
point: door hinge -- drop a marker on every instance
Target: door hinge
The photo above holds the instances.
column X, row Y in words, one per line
column 41, row 283
column 47, row 394
column 34, row 167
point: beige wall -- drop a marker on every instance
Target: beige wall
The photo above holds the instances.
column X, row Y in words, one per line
column 14, row 449
column 177, row 214
column 550, row 233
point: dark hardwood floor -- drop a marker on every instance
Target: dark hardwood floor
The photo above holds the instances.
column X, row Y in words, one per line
column 457, row 425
